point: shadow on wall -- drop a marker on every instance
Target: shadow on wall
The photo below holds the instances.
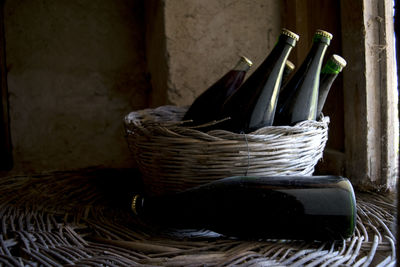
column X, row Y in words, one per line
column 74, row 70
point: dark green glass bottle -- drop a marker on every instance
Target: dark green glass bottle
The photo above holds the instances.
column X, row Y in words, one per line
column 298, row 100
column 329, row 72
column 206, row 106
column 253, row 105
column 283, row 207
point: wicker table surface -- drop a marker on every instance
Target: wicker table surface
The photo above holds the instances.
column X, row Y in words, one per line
column 83, row 219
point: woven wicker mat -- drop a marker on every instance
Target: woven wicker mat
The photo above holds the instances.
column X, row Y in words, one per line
column 83, row 219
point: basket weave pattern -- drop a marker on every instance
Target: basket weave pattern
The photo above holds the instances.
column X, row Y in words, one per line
column 173, row 158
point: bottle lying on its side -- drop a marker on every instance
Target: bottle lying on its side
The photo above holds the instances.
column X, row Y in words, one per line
column 279, row 207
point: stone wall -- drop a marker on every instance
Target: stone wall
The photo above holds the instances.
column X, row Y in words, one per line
column 205, row 39
column 75, row 68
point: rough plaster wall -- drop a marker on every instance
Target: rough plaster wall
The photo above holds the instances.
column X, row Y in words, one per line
column 75, row 69
column 205, row 39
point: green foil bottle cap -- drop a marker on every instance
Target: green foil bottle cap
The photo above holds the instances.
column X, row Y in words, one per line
column 339, row 60
column 334, row 65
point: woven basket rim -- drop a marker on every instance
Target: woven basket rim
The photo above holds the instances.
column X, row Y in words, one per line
column 134, row 119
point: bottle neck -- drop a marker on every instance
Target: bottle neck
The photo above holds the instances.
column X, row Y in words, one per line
column 316, row 54
column 306, row 96
column 283, row 46
column 331, row 68
column 264, row 111
column 321, row 39
column 314, row 78
column 311, row 63
column 242, row 65
column 326, row 79
column 280, row 52
column 329, row 73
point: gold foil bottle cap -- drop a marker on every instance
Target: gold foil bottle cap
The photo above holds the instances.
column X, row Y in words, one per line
column 324, row 34
column 290, row 34
column 339, row 60
column 248, row 61
column 290, row 65
column 134, row 203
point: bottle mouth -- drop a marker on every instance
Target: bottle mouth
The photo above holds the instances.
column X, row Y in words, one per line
column 325, row 34
column 334, row 65
column 339, row 60
column 322, row 36
column 288, row 38
column 134, row 204
column 290, row 34
column 248, row 61
column 290, row 64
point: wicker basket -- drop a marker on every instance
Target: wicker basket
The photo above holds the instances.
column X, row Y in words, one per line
column 173, row 158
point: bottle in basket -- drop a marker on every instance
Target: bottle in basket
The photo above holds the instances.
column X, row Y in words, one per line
column 253, row 105
column 208, row 104
column 295, row 207
column 329, row 72
column 298, row 99
column 289, row 68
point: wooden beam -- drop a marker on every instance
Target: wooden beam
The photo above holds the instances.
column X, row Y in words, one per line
column 370, row 124
column 397, row 36
column 5, row 138
column 389, row 108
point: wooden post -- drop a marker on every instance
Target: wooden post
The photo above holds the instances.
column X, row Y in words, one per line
column 5, row 139
column 370, row 124
column 397, row 36
column 363, row 109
